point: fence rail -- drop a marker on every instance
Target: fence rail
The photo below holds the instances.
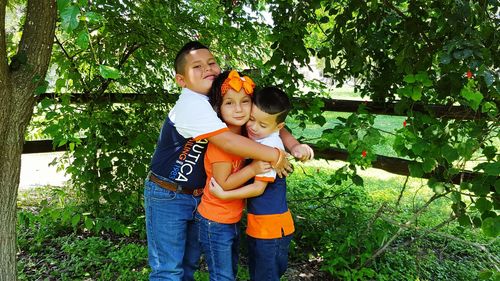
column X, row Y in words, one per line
column 390, row 164
column 383, row 108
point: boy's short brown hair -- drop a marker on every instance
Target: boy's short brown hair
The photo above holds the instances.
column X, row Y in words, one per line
column 272, row 101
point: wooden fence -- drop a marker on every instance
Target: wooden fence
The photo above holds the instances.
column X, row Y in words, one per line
column 390, row 164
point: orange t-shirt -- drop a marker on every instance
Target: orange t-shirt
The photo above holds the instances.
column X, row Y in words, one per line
column 211, row 207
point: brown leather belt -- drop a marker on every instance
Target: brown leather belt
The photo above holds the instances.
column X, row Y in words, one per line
column 175, row 187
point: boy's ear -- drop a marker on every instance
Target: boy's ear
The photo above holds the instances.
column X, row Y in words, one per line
column 280, row 126
column 179, row 79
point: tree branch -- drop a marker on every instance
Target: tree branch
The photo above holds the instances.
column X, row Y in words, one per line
column 493, row 258
column 402, row 191
column 389, row 5
column 407, row 224
column 73, row 65
column 122, row 61
column 3, row 45
column 36, row 45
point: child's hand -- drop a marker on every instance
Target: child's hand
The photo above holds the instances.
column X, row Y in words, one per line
column 302, row 152
column 216, row 190
column 260, row 167
column 284, row 169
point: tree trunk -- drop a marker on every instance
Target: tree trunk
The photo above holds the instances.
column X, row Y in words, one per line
column 17, row 88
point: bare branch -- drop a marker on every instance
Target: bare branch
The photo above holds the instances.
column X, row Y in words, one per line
column 73, row 65
column 402, row 191
column 3, row 45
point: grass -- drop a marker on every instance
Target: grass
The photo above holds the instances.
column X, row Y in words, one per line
column 387, row 125
column 326, row 217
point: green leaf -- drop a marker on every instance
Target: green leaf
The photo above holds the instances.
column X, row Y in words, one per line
column 418, row 147
column 483, row 205
column 410, row 79
column 489, row 79
column 476, row 221
column 42, row 88
column 92, row 17
column 485, row 274
column 357, row 180
column 416, row 169
column 449, row 153
column 473, row 97
column 427, row 82
column 405, row 91
column 416, row 93
column 109, row 72
column 445, row 59
column 46, row 102
column 464, row 220
column 60, row 83
column 492, row 169
column 88, row 223
column 70, row 18
column 489, row 152
column 75, row 220
column 489, row 107
column 479, row 188
column 491, row 226
column 428, row 165
column 83, row 40
column 61, row 4
column 421, row 76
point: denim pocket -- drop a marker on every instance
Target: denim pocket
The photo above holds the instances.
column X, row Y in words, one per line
column 156, row 193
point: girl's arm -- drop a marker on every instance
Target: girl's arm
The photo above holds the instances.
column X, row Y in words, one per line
column 251, row 190
column 247, row 148
column 228, row 181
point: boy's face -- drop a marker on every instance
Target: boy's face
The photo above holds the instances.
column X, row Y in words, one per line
column 199, row 71
column 262, row 124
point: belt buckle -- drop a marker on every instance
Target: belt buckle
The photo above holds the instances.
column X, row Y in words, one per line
column 198, row 192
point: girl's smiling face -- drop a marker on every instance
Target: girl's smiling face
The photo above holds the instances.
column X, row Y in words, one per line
column 235, row 108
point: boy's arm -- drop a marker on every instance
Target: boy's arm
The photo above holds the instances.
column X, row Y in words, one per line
column 247, row 148
column 228, row 181
column 303, row 152
column 251, row 190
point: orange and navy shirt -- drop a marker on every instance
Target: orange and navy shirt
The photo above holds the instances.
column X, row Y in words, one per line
column 211, row 207
column 181, row 147
column 268, row 214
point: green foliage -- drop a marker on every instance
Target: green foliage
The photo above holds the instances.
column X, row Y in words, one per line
column 344, row 225
column 106, row 47
column 338, row 225
column 416, row 53
column 74, row 257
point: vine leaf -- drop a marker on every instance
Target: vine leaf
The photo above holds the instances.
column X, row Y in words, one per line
column 109, row 72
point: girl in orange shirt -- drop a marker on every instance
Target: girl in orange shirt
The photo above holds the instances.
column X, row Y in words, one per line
column 218, row 220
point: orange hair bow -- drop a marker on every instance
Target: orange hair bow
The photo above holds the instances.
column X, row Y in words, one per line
column 235, row 82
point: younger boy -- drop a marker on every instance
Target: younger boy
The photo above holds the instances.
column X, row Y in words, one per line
column 270, row 224
column 174, row 184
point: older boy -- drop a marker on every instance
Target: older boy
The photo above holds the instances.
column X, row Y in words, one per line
column 270, row 224
column 173, row 186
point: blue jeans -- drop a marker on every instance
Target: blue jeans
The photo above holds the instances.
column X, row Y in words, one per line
column 220, row 245
column 173, row 248
column 268, row 258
